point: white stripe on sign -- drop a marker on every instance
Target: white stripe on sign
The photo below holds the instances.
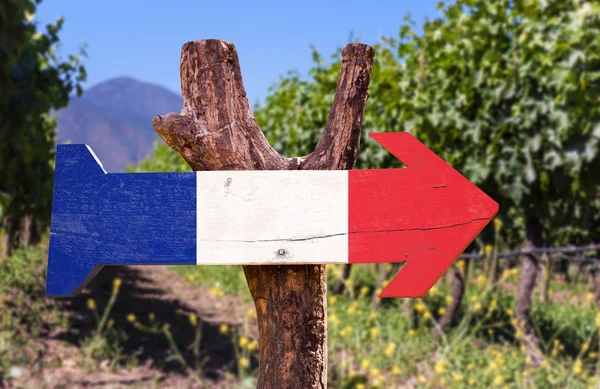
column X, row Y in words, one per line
column 265, row 217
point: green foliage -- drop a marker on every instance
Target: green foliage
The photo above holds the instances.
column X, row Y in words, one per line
column 33, row 81
column 165, row 159
column 506, row 91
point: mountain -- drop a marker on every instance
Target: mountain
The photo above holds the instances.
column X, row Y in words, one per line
column 114, row 118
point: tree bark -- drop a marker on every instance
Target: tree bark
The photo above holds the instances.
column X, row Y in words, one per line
column 597, row 278
column 579, row 262
column 216, row 130
column 29, row 234
column 529, row 269
column 340, row 285
column 458, row 291
column 546, row 267
column 10, row 232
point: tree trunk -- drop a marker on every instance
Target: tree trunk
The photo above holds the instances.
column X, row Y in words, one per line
column 578, row 268
column 597, row 276
column 546, row 267
column 458, row 290
column 10, row 232
column 29, row 235
column 340, row 285
column 495, row 269
column 470, row 270
column 217, row 131
column 529, row 268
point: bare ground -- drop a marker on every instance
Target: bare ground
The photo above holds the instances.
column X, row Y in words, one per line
column 57, row 357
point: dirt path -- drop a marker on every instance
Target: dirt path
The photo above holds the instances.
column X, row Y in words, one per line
column 146, row 291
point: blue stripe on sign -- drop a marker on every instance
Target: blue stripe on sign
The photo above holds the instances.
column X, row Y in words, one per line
column 115, row 219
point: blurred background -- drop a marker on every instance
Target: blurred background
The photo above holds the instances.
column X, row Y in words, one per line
column 506, row 91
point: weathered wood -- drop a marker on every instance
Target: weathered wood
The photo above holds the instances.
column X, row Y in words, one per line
column 279, row 217
column 217, row 131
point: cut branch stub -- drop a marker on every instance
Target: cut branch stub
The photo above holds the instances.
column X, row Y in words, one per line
column 216, row 130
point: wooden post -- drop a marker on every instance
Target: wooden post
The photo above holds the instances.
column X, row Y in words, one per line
column 216, row 130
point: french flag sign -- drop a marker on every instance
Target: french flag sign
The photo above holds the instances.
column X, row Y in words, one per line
column 425, row 215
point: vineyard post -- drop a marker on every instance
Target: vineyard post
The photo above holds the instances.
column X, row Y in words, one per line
column 216, row 130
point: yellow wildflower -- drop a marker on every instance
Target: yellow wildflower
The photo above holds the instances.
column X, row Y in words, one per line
column 470, row 366
column 223, row 328
column 395, row 370
column 193, row 319
column 364, row 290
column 131, row 318
column 332, row 299
column 373, row 315
column 244, row 362
column 243, row 341
column 419, row 307
column 390, row 350
column 491, row 331
column 346, row 331
column 110, row 324
column 333, row 319
column 457, row 377
column 252, row 345
column 442, row 311
column 461, row 265
column 449, row 300
column 421, row 378
column 585, row 347
column 375, row 372
column 578, row 367
column 412, row 333
column 427, row 315
column 385, row 283
column 488, row 248
column 472, row 382
column 440, row 366
column 360, row 386
column 374, row 332
column 481, row 280
column 91, row 304
column 433, row 291
column 250, row 312
column 498, row 380
column 497, row 223
column 365, row 364
column 116, row 284
column 598, row 319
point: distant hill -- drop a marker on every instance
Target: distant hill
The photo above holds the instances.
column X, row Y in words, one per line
column 115, row 119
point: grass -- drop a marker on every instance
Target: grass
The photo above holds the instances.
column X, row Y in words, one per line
column 368, row 347
column 375, row 348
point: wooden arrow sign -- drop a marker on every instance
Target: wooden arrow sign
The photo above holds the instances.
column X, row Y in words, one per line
column 425, row 215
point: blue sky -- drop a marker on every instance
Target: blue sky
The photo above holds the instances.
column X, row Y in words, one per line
column 143, row 38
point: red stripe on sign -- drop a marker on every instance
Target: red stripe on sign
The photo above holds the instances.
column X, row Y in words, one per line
column 426, row 215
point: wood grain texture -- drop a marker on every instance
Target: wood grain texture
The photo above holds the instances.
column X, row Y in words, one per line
column 216, row 130
column 425, row 215
column 272, row 217
column 113, row 219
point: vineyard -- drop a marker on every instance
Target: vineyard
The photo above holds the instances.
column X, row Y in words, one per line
column 507, row 92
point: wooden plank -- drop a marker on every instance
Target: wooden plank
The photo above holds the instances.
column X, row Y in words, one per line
column 272, row 217
column 425, row 215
